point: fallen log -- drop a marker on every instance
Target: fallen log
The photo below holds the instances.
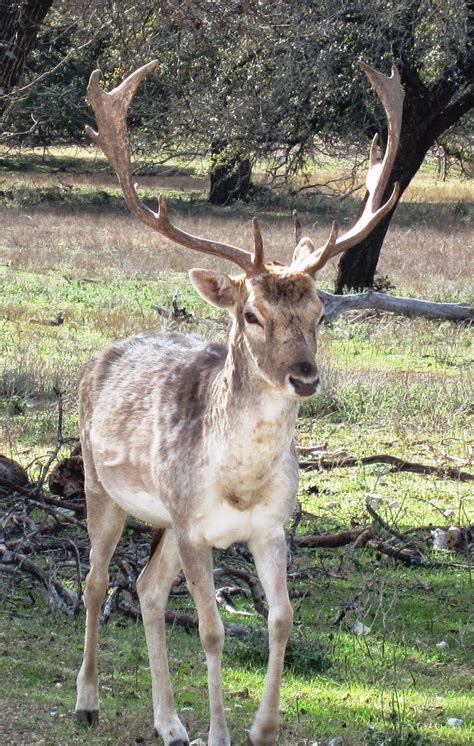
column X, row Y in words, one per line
column 12, row 474
column 402, row 555
column 335, row 305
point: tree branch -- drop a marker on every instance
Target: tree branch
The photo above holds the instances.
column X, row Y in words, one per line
column 339, row 304
column 398, row 464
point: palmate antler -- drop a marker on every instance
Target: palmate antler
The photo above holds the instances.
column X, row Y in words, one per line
column 111, row 115
column 110, row 111
column 391, row 94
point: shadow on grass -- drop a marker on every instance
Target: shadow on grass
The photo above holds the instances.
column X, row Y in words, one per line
column 275, row 207
column 88, row 163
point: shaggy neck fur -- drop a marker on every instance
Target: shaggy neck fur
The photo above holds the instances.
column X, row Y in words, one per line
column 243, row 404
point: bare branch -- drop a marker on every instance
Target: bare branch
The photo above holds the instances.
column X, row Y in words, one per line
column 398, row 464
column 338, row 304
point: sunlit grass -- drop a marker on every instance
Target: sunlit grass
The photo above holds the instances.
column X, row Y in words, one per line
column 371, row 681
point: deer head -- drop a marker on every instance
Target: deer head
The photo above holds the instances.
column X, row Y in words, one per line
column 270, row 303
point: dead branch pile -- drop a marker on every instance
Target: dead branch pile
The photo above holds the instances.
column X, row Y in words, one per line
column 44, row 542
column 44, row 545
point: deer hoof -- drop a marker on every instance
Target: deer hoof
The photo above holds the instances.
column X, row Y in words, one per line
column 176, row 742
column 87, row 717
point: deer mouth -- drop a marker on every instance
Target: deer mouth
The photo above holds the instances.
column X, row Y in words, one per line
column 303, row 388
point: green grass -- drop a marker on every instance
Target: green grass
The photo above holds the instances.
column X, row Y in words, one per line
column 394, row 675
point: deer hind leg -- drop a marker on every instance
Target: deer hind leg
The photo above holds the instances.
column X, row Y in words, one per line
column 198, row 569
column 105, row 521
column 270, row 559
column 153, row 588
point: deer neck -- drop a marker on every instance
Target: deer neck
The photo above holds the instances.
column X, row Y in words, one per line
column 248, row 410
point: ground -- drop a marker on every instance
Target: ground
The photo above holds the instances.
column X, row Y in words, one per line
column 391, row 385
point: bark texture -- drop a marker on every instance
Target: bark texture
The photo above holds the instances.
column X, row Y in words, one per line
column 429, row 110
column 335, row 305
column 20, row 22
column 230, row 176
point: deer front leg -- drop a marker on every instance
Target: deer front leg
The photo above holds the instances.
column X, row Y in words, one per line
column 270, row 556
column 197, row 566
column 153, row 588
column 105, row 524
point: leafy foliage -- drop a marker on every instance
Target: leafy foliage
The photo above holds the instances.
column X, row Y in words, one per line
column 264, row 77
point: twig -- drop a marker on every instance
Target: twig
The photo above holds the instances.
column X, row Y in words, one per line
column 359, row 535
column 290, row 536
column 182, row 314
column 398, row 464
column 187, row 317
column 110, row 605
column 59, row 512
column 253, row 583
column 369, row 586
column 182, row 618
column 222, row 598
column 60, row 596
column 390, row 529
column 60, row 440
column 77, row 558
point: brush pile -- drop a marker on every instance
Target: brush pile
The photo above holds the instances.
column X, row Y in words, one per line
column 44, row 547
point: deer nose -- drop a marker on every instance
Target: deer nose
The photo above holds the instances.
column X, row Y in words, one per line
column 303, row 378
column 303, row 369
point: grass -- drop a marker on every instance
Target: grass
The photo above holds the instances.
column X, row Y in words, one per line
column 393, row 679
column 391, row 385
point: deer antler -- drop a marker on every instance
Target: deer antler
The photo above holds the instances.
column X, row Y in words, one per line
column 391, row 94
column 110, row 111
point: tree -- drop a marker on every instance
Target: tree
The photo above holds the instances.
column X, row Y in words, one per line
column 229, row 175
column 49, row 107
column 20, row 23
column 275, row 81
column 437, row 95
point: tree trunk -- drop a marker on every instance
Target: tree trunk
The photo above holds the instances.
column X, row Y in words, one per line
column 427, row 113
column 356, row 270
column 19, row 26
column 230, row 176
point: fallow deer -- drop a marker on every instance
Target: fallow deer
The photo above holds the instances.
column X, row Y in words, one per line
column 196, row 438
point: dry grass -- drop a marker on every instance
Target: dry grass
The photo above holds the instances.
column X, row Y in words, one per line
column 178, row 180
column 429, row 262
column 428, row 251
column 57, row 239
column 423, row 260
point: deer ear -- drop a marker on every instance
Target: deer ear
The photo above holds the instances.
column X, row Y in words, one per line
column 303, row 250
column 215, row 287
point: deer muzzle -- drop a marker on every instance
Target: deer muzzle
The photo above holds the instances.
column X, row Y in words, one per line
column 303, row 379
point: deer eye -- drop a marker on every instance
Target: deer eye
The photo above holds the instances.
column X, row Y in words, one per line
column 250, row 318
column 322, row 319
